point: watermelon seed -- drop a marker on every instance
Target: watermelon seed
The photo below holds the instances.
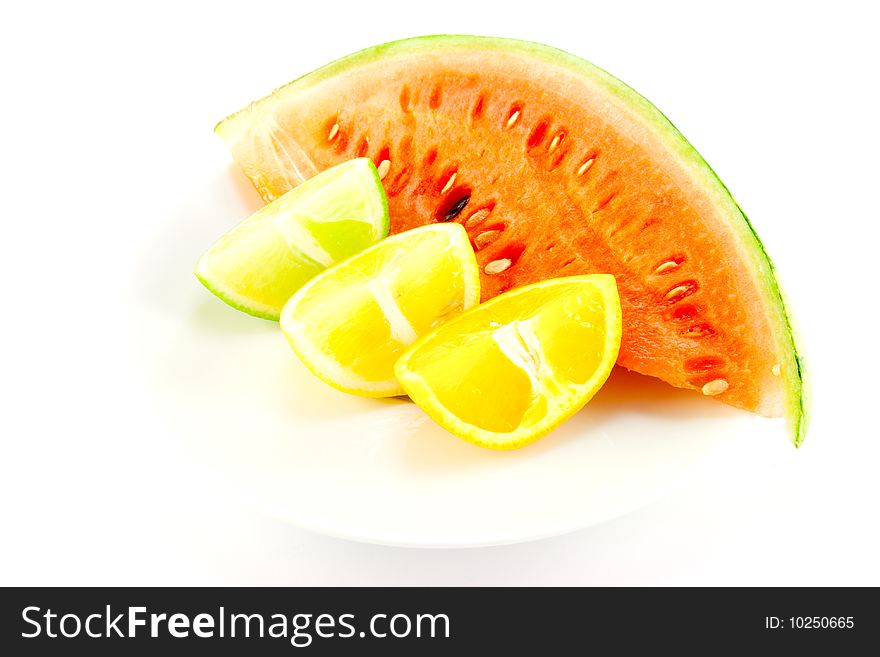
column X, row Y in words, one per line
column 333, row 132
column 715, row 387
column 477, row 218
column 680, row 291
column 586, row 165
column 555, row 142
column 383, row 168
column 497, row 266
column 777, row 370
column 456, row 208
column 512, row 119
column 667, row 266
column 449, row 183
column 676, row 291
column 485, row 238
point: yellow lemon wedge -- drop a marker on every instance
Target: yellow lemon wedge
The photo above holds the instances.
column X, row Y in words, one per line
column 351, row 323
column 508, row 371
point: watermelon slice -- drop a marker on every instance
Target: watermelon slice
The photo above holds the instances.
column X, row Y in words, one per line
column 555, row 168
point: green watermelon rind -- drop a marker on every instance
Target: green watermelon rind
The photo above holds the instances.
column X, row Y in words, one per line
column 795, row 370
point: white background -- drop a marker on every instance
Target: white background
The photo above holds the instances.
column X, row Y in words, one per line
column 107, row 115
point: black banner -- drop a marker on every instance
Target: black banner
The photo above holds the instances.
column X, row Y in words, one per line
column 114, row 621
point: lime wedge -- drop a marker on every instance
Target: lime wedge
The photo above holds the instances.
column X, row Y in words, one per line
column 258, row 265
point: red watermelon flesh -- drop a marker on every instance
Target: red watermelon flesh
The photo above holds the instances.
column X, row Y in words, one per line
column 555, row 168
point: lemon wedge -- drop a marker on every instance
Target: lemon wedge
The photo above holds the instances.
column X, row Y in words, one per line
column 508, row 371
column 349, row 324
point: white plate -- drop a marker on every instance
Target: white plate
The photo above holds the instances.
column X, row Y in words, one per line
column 240, row 404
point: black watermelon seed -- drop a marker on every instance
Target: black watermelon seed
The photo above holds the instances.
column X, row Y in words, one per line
column 456, row 208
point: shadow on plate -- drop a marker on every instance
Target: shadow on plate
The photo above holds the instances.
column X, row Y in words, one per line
column 638, row 399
